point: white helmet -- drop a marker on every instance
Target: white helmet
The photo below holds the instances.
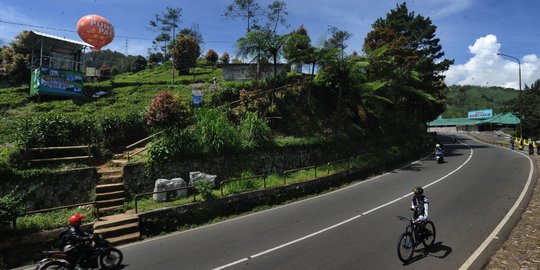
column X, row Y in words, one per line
column 437, row 145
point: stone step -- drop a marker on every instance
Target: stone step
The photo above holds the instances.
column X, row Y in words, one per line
column 106, row 170
column 115, row 220
column 119, row 156
column 106, row 204
column 110, row 195
column 103, row 209
column 111, row 179
column 119, row 230
column 124, row 239
column 119, row 162
column 106, row 188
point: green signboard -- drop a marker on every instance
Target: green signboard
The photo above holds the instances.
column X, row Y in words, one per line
column 56, row 82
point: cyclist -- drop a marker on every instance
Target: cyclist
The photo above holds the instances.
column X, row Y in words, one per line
column 420, row 206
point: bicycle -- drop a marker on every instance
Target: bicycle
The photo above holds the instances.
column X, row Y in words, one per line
column 413, row 236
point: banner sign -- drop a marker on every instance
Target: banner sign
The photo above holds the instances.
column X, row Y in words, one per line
column 481, row 114
column 57, row 82
column 196, row 96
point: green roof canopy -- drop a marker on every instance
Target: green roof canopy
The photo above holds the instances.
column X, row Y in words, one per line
column 500, row 119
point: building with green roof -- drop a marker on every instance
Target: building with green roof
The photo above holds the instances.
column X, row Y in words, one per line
column 497, row 122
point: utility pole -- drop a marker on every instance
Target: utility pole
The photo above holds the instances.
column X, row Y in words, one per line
column 520, row 98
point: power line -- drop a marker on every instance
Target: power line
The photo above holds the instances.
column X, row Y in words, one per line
column 60, row 29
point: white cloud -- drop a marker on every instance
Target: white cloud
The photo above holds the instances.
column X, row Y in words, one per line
column 486, row 68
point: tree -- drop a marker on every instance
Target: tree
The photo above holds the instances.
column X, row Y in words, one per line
column 412, row 65
column 211, row 56
column 338, row 40
column 185, row 51
column 276, row 13
column 245, row 9
column 297, row 46
column 530, row 109
column 225, row 58
column 138, row 64
column 13, row 61
column 261, row 45
column 155, row 58
column 166, row 25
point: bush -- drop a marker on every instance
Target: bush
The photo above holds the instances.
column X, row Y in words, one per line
column 122, row 129
column 166, row 110
column 174, row 144
column 216, row 133
column 56, row 130
column 254, row 130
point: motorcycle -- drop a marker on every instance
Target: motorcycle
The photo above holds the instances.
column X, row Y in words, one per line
column 103, row 256
column 439, row 156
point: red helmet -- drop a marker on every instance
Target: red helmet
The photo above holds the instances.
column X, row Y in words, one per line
column 76, row 219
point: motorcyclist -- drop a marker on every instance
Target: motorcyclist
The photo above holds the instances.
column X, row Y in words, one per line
column 77, row 240
column 439, row 150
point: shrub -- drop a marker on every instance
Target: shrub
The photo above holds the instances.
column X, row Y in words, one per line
column 121, row 129
column 174, row 144
column 216, row 133
column 166, row 110
column 205, row 189
column 11, row 206
column 254, row 130
column 55, row 130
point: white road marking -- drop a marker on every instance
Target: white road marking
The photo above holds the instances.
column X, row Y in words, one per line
column 340, row 223
column 499, row 227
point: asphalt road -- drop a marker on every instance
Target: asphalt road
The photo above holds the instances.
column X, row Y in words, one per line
column 356, row 227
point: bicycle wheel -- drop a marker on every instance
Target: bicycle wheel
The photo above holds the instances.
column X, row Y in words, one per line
column 429, row 234
column 405, row 247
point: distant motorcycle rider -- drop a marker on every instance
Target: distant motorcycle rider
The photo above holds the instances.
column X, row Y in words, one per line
column 77, row 241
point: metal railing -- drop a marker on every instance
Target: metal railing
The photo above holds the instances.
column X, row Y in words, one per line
column 128, row 150
column 265, row 179
column 87, row 147
column 223, row 183
column 163, row 191
column 287, row 172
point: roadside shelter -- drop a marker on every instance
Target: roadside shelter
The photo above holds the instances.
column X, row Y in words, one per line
column 57, row 64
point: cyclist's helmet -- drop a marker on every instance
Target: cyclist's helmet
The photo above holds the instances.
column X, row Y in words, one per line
column 437, row 145
column 76, row 219
column 418, row 190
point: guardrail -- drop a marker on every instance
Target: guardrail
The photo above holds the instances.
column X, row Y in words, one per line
column 223, row 183
column 14, row 224
column 163, row 191
column 87, row 147
column 287, row 172
column 315, row 168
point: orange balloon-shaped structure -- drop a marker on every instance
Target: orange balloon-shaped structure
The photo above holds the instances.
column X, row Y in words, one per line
column 95, row 30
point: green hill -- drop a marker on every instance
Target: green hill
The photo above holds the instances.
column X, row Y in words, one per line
column 461, row 99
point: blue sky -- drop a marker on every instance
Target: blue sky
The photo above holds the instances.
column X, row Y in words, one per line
column 471, row 31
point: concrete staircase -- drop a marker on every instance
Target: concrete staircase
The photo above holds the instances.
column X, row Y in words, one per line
column 110, row 195
column 119, row 229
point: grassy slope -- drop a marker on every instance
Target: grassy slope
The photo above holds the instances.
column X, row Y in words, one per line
column 136, row 96
column 461, row 99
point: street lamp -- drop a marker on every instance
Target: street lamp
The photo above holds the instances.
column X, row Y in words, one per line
column 520, row 102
